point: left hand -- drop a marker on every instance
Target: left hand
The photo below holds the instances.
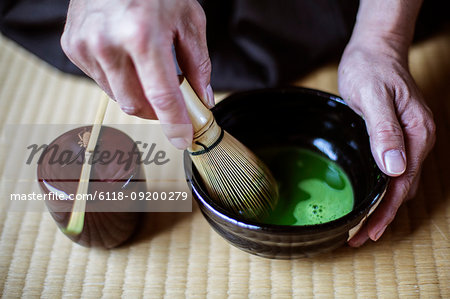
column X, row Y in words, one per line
column 375, row 82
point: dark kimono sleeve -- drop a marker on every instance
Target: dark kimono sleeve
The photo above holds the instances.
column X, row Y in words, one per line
column 37, row 26
column 252, row 43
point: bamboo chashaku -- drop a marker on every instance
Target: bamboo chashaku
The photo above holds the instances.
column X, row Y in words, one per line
column 232, row 174
column 76, row 222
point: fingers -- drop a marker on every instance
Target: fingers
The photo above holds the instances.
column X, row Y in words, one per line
column 419, row 133
column 386, row 211
column 360, row 238
column 386, row 134
column 384, row 214
column 157, row 74
column 150, row 90
column 388, row 149
column 77, row 51
column 193, row 57
column 415, row 185
column 113, row 71
column 126, row 87
column 127, row 51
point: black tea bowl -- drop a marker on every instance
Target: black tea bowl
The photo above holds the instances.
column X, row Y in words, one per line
column 304, row 118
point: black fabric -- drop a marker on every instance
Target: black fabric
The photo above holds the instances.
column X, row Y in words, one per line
column 252, row 43
column 258, row 43
column 37, row 26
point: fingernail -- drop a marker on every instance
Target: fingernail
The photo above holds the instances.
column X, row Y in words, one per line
column 379, row 233
column 180, row 143
column 394, row 162
column 210, row 96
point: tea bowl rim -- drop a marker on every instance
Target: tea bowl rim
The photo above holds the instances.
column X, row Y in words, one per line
column 345, row 222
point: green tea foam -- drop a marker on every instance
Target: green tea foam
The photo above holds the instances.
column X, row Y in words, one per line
column 313, row 189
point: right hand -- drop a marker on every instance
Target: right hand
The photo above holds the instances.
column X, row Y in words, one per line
column 126, row 47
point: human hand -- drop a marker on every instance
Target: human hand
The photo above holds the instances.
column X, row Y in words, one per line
column 375, row 82
column 126, row 47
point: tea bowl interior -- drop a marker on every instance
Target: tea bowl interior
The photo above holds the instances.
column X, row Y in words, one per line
column 305, row 118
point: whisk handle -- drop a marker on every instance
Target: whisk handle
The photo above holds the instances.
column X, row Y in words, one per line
column 199, row 114
column 206, row 130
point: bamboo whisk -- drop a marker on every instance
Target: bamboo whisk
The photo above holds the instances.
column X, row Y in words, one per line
column 232, row 174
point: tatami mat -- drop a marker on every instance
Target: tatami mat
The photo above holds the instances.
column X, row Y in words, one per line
column 177, row 255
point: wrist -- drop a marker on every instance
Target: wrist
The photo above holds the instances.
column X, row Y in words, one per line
column 385, row 27
column 379, row 43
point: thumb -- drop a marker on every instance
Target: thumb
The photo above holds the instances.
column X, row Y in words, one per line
column 386, row 136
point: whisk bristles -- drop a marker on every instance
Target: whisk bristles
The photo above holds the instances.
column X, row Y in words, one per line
column 236, row 178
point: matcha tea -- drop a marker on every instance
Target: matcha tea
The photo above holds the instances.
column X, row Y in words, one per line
column 313, row 189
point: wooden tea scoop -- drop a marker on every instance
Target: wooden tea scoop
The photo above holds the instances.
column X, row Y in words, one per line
column 76, row 221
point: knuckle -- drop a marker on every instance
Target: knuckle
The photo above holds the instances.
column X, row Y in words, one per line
column 375, row 90
column 204, row 68
column 430, row 131
column 76, row 50
column 199, row 17
column 388, row 131
column 143, row 40
column 430, row 127
column 135, row 34
column 405, row 188
column 72, row 45
column 403, row 90
column 381, row 91
column 196, row 11
column 423, row 129
column 135, row 110
column 65, row 42
column 139, row 35
column 409, row 178
column 163, row 101
column 98, row 45
column 412, row 192
column 80, row 48
column 193, row 22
